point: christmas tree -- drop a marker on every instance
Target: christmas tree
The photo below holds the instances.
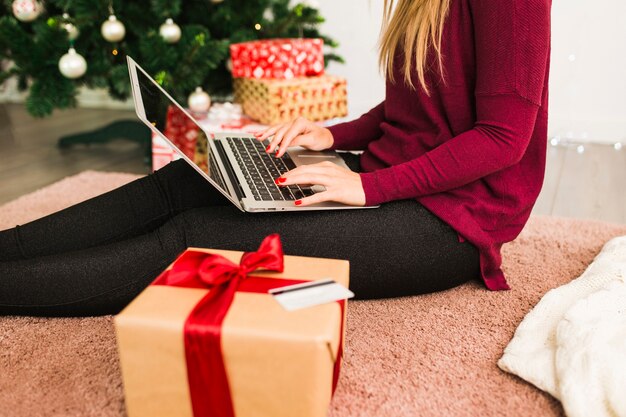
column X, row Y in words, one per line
column 187, row 51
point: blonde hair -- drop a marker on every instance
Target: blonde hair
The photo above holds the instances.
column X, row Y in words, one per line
column 416, row 26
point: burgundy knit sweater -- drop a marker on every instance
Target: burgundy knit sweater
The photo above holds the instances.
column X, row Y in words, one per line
column 473, row 152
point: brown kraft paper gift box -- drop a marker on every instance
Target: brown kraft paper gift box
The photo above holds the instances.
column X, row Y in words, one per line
column 278, row 363
column 272, row 101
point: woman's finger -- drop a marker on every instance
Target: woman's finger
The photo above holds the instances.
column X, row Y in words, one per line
column 297, row 127
column 267, row 132
column 278, row 137
column 300, row 140
column 308, row 179
column 314, row 199
column 309, row 169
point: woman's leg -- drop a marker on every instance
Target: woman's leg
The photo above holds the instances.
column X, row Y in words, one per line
column 127, row 211
column 396, row 250
column 93, row 281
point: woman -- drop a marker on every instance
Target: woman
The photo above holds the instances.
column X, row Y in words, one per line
column 455, row 156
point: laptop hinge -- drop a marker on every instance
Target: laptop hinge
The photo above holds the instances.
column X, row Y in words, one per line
column 229, row 170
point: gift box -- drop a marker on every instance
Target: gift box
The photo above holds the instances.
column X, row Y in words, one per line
column 162, row 152
column 182, row 131
column 278, row 101
column 222, row 117
column 206, row 338
column 278, row 58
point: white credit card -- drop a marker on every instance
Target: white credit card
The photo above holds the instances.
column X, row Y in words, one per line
column 309, row 294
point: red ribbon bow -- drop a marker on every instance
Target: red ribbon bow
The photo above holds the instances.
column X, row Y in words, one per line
column 206, row 372
column 205, row 270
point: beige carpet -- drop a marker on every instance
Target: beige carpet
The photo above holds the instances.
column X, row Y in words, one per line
column 431, row 355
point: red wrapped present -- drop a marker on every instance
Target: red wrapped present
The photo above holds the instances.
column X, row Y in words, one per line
column 207, row 340
column 182, row 131
column 278, row 58
column 222, row 117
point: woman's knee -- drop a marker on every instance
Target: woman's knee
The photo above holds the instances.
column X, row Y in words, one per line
column 396, row 271
column 184, row 188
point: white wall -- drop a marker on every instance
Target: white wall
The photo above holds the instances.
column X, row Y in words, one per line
column 588, row 73
column 355, row 24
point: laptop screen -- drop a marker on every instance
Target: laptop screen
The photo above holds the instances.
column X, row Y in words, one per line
column 178, row 127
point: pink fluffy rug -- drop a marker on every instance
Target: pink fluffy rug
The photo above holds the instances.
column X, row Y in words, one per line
column 432, row 355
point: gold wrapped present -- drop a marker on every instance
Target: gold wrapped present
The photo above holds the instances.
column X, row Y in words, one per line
column 272, row 101
column 277, row 363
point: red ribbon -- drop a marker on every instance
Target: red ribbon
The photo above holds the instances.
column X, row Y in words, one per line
column 206, row 372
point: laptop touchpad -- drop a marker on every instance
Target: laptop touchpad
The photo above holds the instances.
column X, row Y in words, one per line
column 303, row 156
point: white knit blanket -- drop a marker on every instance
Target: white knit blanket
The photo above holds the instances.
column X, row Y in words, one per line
column 573, row 343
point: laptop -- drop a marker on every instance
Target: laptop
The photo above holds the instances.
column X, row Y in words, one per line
column 235, row 164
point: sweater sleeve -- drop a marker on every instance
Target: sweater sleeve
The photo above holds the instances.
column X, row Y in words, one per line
column 498, row 140
column 356, row 134
column 512, row 43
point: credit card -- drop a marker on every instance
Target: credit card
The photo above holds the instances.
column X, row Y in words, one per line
column 309, row 294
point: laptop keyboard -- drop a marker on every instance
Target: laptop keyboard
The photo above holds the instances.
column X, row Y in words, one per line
column 260, row 169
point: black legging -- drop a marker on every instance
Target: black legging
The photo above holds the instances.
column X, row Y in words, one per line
column 95, row 257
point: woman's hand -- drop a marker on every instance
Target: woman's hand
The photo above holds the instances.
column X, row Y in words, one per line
column 298, row 132
column 342, row 185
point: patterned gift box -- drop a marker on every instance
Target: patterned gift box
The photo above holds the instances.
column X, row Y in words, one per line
column 182, row 131
column 278, row 58
column 278, row 101
column 184, row 134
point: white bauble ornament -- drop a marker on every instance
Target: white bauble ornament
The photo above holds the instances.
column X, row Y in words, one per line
column 268, row 14
column 216, row 1
column 26, row 10
column 170, row 31
column 70, row 28
column 229, row 65
column 72, row 64
column 199, row 101
column 113, row 30
column 72, row 31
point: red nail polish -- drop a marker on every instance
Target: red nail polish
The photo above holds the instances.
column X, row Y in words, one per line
column 281, row 179
column 298, row 202
column 268, row 148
